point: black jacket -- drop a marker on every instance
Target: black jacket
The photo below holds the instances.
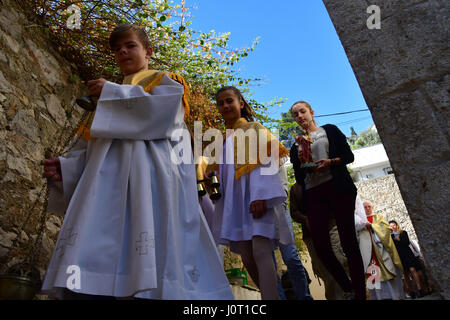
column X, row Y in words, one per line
column 338, row 147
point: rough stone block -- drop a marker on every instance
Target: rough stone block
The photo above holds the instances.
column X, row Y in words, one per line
column 404, row 121
column 390, row 8
column 7, row 238
column 9, row 22
column 55, row 109
column 3, row 57
column 10, row 42
column 25, row 124
column 5, row 86
column 438, row 94
column 50, row 67
column 382, row 59
column 20, row 166
column 354, row 13
column 403, row 71
column 427, row 202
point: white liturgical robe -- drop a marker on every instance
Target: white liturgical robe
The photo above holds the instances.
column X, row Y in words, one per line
column 232, row 220
column 133, row 224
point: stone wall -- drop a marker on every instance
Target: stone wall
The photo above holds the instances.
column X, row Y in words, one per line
column 403, row 70
column 384, row 194
column 37, row 93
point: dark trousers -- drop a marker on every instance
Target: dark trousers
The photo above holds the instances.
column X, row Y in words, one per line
column 323, row 202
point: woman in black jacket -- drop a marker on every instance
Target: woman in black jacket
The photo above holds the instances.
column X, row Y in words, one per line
column 329, row 191
column 410, row 263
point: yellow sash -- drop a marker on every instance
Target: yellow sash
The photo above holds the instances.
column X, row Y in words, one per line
column 247, row 167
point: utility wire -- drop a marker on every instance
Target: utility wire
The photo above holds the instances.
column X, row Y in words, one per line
column 353, row 120
column 335, row 114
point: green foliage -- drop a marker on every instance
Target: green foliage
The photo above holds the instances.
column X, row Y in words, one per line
column 290, row 176
column 73, row 79
column 288, row 129
column 365, row 139
column 204, row 59
column 262, row 110
column 298, row 235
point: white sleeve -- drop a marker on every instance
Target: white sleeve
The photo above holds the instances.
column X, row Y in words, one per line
column 360, row 215
column 128, row 112
column 284, row 179
column 415, row 248
column 208, row 209
column 266, row 187
column 72, row 166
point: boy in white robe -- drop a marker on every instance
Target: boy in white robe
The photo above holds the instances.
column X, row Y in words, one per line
column 133, row 226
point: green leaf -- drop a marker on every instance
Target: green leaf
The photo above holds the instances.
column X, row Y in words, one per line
column 191, row 53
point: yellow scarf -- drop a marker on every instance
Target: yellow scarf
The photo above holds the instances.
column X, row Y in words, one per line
column 146, row 79
column 247, row 167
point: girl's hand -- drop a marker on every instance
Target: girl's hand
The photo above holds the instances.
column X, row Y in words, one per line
column 95, row 87
column 323, row 164
column 258, row 208
column 52, row 169
column 368, row 225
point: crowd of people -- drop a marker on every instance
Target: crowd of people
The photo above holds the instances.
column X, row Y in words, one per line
column 135, row 228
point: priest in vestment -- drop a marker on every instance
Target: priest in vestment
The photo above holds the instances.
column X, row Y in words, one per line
column 381, row 261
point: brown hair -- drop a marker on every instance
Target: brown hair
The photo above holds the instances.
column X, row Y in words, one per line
column 246, row 112
column 307, row 105
column 304, row 102
column 125, row 29
column 400, row 230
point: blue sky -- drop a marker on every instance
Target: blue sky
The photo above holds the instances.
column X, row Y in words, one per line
column 299, row 54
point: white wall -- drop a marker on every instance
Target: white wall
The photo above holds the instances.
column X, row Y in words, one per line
column 372, row 172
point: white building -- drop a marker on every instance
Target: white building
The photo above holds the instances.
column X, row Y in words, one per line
column 370, row 162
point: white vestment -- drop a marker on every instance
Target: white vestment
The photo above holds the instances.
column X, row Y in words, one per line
column 389, row 289
column 232, row 220
column 133, row 225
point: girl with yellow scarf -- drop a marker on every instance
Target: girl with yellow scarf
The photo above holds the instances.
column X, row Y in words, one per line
column 246, row 217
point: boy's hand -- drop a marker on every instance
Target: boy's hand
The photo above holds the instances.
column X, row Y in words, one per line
column 95, row 86
column 258, row 208
column 52, row 169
